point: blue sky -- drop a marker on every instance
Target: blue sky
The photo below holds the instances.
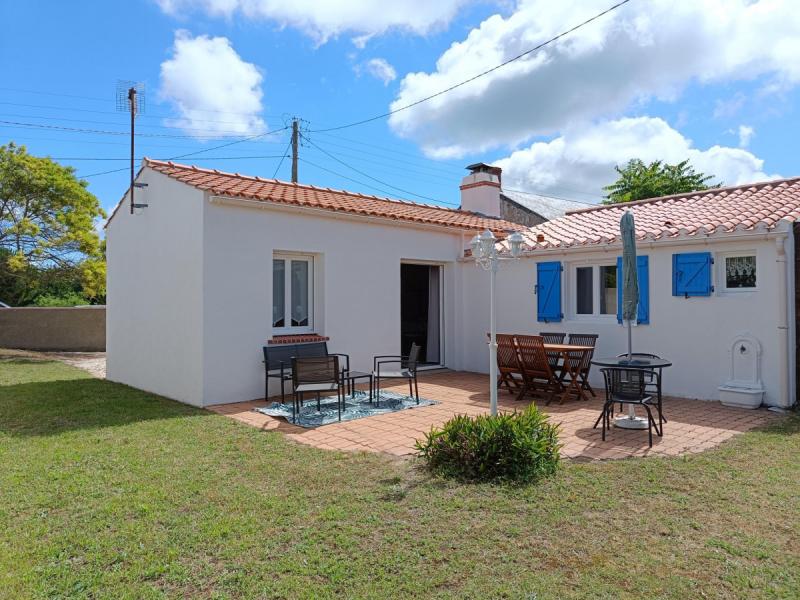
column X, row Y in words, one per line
column 650, row 80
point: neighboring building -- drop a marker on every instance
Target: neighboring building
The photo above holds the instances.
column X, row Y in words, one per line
column 219, row 265
column 717, row 287
column 482, row 192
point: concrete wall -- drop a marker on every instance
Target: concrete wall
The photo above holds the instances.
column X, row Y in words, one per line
column 695, row 333
column 155, row 291
column 73, row 329
column 356, row 287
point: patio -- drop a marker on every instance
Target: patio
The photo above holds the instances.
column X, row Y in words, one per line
column 694, row 426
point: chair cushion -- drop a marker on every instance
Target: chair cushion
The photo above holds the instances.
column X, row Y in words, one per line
column 402, row 374
column 316, row 387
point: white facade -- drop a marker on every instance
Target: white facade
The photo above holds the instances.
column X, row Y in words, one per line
column 190, row 296
column 696, row 333
column 190, row 288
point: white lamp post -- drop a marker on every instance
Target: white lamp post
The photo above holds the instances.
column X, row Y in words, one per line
column 484, row 251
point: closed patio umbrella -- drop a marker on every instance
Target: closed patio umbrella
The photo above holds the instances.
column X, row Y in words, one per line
column 630, row 305
column 630, row 281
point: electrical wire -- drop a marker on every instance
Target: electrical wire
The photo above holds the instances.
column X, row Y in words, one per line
column 198, row 151
column 140, row 158
column 200, row 132
column 367, row 185
column 367, row 175
column 285, row 152
column 478, row 76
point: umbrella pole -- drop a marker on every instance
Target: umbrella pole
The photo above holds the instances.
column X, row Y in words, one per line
column 630, row 355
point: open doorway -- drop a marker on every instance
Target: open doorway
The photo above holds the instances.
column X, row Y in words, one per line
column 421, row 311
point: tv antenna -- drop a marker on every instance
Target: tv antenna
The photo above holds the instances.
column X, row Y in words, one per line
column 131, row 98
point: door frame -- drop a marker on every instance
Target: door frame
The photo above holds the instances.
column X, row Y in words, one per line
column 440, row 266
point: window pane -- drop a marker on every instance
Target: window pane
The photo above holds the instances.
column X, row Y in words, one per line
column 608, row 290
column 740, row 271
column 584, row 290
column 278, row 293
column 299, row 293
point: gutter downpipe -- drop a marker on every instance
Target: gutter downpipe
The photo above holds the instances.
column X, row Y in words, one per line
column 783, row 323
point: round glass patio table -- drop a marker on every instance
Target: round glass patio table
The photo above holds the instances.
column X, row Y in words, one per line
column 631, row 421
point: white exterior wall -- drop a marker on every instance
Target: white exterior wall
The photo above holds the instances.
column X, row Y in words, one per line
column 356, row 287
column 155, row 296
column 695, row 333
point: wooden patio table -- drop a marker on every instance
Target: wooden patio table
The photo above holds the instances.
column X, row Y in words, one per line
column 568, row 351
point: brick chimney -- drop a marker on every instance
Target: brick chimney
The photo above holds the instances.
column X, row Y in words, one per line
column 480, row 190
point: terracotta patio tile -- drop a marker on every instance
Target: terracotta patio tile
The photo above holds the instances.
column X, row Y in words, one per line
column 694, row 425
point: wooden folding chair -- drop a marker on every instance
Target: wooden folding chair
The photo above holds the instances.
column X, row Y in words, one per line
column 536, row 372
column 508, row 367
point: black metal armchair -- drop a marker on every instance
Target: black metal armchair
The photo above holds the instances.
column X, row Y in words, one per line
column 402, row 367
column 652, row 379
column 316, row 374
column 278, row 361
column 627, row 386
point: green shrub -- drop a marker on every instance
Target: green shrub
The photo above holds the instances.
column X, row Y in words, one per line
column 68, row 299
column 514, row 447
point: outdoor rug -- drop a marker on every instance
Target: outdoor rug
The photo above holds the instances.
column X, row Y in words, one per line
column 354, row 408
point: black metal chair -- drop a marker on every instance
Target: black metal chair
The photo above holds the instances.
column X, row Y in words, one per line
column 627, row 386
column 316, row 374
column 278, row 361
column 653, row 379
column 405, row 367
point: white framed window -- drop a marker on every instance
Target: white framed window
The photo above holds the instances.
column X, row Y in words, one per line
column 738, row 271
column 593, row 291
column 292, row 293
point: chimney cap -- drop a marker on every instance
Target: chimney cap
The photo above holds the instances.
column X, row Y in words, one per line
column 484, row 168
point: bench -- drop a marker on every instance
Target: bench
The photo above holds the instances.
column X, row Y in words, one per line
column 278, row 361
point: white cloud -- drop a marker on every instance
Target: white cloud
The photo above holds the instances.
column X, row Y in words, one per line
column 379, row 68
column 207, row 81
column 746, row 134
column 642, row 50
column 730, row 107
column 323, row 19
column 582, row 159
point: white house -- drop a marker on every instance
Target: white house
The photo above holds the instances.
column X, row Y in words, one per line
column 219, row 265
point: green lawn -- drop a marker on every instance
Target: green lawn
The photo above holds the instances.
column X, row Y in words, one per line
column 109, row 492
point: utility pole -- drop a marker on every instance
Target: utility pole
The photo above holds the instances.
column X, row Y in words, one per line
column 295, row 142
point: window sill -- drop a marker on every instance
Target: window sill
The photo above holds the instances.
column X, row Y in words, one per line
column 297, row 338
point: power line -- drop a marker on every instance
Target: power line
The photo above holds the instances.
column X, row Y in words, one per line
column 479, row 75
column 21, row 125
column 285, row 152
column 141, row 157
column 332, row 172
column 352, row 168
column 111, row 99
column 198, row 151
column 150, row 116
column 207, row 131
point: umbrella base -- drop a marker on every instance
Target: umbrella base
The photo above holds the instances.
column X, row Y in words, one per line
column 630, row 422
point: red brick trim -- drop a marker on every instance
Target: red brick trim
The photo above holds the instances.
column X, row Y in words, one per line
column 467, row 186
column 298, row 338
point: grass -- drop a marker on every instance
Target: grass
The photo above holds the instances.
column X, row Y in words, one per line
column 110, row 492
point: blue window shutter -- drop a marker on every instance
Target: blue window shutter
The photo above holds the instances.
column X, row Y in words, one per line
column 643, row 275
column 548, row 292
column 692, row 274
column 619, row 289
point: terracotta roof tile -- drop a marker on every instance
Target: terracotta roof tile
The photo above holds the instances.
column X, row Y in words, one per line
column 281, row 192
column 749, row 207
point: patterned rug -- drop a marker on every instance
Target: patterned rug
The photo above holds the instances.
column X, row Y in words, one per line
column 356, row 407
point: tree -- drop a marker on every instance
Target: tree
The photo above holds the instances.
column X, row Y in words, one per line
column 47, row 232
column 638, row 181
